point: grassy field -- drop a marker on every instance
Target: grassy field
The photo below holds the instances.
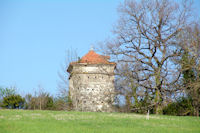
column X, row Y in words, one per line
column 26, row 121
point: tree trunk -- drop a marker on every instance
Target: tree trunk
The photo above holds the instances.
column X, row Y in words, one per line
column 158, row 107
column 158, row 95
column 197, row 111
column 40, row 104
column 128, row 103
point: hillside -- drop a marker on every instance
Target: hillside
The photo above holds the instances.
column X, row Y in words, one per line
column 27, row 121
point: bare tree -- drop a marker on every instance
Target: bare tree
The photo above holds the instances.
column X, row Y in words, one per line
column 28, row 103
column 144, row 46
column 40, row 100
column 71, row 56
column 63, row 84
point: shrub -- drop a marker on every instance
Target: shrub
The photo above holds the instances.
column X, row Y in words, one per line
column 183, row 106
column 13, row 102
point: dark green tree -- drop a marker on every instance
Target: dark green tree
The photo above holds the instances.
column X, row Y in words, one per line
column 181, row 107
column 190, row 41
column 13, row 101
column 5, row 92
column 49, row 103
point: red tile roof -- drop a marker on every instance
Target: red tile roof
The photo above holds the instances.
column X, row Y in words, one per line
column 93, row 58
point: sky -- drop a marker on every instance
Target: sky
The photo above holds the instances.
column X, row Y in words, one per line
column 34, row 37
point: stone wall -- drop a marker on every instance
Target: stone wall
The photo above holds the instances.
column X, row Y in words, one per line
column 92, row 87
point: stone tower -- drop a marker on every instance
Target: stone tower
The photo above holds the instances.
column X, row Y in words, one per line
column 91, row 83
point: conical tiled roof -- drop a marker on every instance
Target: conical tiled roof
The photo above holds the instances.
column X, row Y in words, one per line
column 93, row 58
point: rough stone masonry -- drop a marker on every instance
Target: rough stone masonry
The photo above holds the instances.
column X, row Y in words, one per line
column 91, row 83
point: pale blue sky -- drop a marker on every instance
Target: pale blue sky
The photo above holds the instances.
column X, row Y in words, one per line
column 34, row 36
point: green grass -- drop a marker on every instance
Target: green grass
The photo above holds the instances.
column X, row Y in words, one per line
column 27, row 121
